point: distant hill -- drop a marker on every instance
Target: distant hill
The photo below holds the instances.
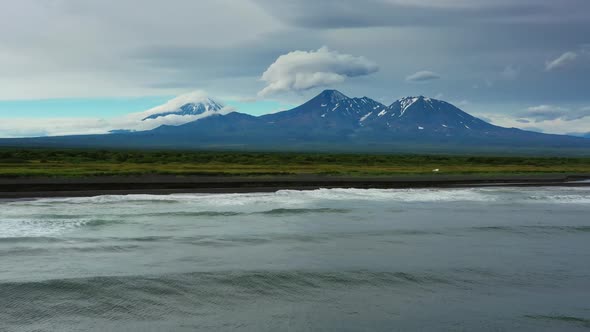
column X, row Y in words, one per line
column 332, row 121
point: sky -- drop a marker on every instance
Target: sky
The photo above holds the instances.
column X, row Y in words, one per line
column 82, row 66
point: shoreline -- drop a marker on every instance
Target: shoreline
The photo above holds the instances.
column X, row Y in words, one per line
column 23, row 188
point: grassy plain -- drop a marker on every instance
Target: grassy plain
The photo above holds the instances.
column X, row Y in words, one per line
column 78, row 162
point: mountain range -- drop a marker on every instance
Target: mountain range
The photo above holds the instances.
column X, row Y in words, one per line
column 329, row 121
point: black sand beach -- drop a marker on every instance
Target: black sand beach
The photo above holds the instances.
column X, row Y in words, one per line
column 11, row 188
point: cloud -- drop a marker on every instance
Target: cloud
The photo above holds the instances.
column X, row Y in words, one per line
column 543, row 113
column 580, row 134
column 535, row 129
column 27, row 127
column 556, row 126
column 122, row 51
column 464, row 103
column 510, row 73
column 562, row 61
column 423, row 76
column 197, row 96
column 483, row 117
column 302, row 70
column 549, row 112
column 330, row 14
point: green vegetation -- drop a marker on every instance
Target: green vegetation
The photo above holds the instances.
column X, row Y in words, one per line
column 76, row 162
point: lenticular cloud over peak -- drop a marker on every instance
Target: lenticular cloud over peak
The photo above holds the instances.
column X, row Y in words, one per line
column 197, row 96
column 196, row 103
column 423, row 76
column 304, row 70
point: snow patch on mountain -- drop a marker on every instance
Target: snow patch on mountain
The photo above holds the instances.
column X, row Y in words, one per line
column 366, row 116
column 406, row 103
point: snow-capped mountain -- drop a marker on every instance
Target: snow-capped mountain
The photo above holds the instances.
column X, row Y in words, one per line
column 205, row 105
column 365, row 116
column 329, row 109
column 426, row 114
column 331, row 120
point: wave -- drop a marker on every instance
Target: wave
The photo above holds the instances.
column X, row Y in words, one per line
column 405, row 195
column 46, row 228
column 294, row 198
column 278, row 204
column 43, row 225
column 121, row 297
column 27, row 218
column 564, row 319
column 186, row 214
column 31, row 239
column 24, row 251
column 278, row 212
column 316, row 237
column 534, row 228
column 265, row 282
column 563, row 199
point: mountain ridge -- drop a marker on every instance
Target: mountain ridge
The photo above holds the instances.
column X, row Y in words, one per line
column 336, row 122
column 332, row 117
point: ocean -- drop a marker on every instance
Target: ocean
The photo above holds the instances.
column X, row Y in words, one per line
column 480, row 259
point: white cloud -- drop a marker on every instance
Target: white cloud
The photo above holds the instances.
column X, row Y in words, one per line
column 543, row 113
column 535, row 129
column 135, row 121
column 510, row 73
column 303, row 70
column 423, row 76
column 198, row 96
column 556, row 126
column 464, row 103
column 561, row 62
column 27, row 127
column 113, row 42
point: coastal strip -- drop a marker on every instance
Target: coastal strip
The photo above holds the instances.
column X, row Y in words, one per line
column 32, row 187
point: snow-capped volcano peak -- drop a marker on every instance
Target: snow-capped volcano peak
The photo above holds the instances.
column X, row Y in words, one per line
column 402, row 105
column 424, row 116
column 330, row 109
column 191, row 104
column 194, row 108
column 333, row 96
column 406, row 102
column 334, row 103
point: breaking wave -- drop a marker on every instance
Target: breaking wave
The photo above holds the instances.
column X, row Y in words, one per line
column 287, row 198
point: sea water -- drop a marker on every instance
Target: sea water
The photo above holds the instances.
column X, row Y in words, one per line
column 483, row 259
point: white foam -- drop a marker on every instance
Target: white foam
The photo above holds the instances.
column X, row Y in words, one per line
column 10, row 228
column 565, row 199
column 301, row 197
column 284, row 196
column 52, row 216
